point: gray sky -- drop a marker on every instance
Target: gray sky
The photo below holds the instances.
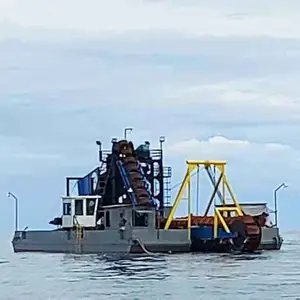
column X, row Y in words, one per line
column 221, row 81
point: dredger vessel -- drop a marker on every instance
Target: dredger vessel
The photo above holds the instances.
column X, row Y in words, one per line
column 120, row 207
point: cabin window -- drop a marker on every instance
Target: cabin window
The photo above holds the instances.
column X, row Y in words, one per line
column 107, row 219
column 78, row 207
column 90, row 207
column 67, row 209
column 140, row 219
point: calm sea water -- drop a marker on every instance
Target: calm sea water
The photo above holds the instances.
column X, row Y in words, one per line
column 270, row 275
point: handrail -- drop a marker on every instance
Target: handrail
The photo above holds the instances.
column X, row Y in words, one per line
column 154, row 154
column 145, row 181
column 218, row 217
column 167, row 172
column 81, row 197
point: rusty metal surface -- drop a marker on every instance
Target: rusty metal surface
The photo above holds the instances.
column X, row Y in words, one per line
column 252, row 228
column 126, row 154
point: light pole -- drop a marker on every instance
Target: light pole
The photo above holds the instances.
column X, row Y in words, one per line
column 283, row 185
column 16, row 209
column 161, row 172
column 127, row 129
column 162, row 139
column 100, row 150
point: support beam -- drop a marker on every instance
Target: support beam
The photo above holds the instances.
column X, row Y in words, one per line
column 218, row 217
column 213, row 195
column 222, row 181
column 187, row 179
column 239, row 210
column 216, row 225
column 206, row 163
column 213, row 181
column 189, row 205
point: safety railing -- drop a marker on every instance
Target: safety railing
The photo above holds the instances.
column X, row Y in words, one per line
column 218, row 217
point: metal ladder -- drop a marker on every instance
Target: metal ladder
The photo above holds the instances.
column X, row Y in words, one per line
column 79, row 235
column 101, row 184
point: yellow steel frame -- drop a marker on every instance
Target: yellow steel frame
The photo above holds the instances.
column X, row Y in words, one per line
column 218, row 211
column 218, row 217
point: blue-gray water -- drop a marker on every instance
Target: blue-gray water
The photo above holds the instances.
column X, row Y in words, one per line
column 270, row 275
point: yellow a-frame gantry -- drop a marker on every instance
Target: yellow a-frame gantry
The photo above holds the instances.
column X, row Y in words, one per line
column 219, row 210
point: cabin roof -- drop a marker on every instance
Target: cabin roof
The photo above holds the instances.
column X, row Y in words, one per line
column 255, row 209
column 81, row 197
column 137, row 208
column 117, row 206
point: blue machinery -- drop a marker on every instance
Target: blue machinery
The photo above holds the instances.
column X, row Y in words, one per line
column 126, row 182
column 112, row 179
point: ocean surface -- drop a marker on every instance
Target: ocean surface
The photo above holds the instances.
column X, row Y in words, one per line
column 269, row 275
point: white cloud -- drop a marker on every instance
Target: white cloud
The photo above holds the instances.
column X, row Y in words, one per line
column 20, row 156
column 199, row 18
column 220, row 147
column 35, row 156
column 51, row 93
column 171, row 67
column 257, row 100
column 254, row 169
column 265, row 162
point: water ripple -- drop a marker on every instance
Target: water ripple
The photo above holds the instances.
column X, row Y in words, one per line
column 265, row 275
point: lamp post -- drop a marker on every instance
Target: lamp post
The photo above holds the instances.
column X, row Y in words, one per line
column 283, row 185
column 16, row 209
column 100, row 150
column 161, row 172
column 127, row 129
column 162, row 139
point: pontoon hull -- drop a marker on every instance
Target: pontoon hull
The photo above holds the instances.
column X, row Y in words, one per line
column 99, row 241
column 270, row 239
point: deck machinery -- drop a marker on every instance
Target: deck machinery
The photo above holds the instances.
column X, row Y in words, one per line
column 120, row 207
column 229, row 228
column 125, row 176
